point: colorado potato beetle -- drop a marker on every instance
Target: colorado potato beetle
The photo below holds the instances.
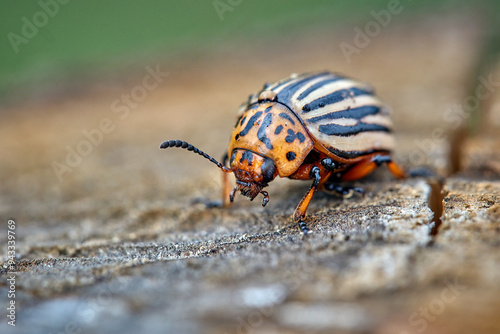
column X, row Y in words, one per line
column 321, row 126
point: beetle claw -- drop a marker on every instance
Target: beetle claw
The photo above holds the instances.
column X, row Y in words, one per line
column 303, row 228
column 233, row 193
column 265, row 200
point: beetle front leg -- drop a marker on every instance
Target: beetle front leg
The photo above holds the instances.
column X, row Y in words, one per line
column 300, row 211
column 226, row 185
column 329, row 164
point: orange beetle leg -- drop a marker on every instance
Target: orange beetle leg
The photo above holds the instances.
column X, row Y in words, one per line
column 226, row 190
column 300, row 211
column 396, row 170
column 365, row 167
column 226, row 185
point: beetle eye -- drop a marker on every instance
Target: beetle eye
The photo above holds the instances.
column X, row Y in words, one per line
column 268, row 169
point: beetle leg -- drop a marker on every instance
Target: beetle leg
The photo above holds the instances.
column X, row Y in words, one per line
column 300, row 211
column 303, row 227
column 226, row 185
column 232, row 194
column 394, row 168
column 365, row 167
column 265, row 200
column 329, row 164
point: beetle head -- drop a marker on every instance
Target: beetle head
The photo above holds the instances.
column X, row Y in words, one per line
column 253, row 172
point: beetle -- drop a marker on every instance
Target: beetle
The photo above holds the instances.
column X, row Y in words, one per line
column 323, row 127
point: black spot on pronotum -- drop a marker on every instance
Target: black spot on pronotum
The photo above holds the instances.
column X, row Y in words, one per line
column 248, row 156
column 243, row 120
column 290, row 156
column 279, row 128
column 287, row 117
column 238, row 121
column 301, row 137
column 250, row 123
column 291, row 136
column 237, row 136
column 268, row 109
column 261, row 134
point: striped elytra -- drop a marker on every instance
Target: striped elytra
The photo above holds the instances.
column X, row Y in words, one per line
column 322, row 127
column 342, row 114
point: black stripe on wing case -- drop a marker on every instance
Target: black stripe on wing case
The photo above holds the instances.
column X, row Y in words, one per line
column 281, row 84
column 353, row 154
column 334, row 97
column 317, row 85
column 341, row 130
column 285, row 95
column 357, row 113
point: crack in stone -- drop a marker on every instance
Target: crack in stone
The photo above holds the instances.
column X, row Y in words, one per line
column 435, row 202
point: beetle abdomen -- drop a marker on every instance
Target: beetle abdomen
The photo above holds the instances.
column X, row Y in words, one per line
column 342, row 114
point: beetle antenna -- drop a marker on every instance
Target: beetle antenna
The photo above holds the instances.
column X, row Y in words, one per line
column 189, row 147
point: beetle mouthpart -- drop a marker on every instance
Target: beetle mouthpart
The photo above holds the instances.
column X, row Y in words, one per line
column 248, row 189
column 232, row 194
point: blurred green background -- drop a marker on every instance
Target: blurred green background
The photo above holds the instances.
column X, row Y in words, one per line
column 91, row 38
